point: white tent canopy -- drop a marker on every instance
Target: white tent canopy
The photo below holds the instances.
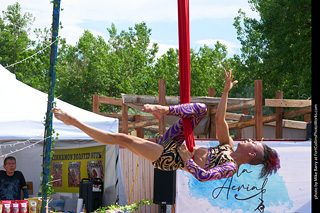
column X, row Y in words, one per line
column 22, row 113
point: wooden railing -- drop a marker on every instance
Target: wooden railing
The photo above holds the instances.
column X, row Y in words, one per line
column 239, row 120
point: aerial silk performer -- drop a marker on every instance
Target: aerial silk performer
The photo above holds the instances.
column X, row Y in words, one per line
column 170, row 153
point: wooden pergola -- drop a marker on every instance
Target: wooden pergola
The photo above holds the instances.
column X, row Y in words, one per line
column 236, row 121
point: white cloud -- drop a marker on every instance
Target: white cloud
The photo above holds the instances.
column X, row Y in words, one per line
column 163, row 46
column 77, row 12
column 232, row 47
column 151, row 10
column 219, row 9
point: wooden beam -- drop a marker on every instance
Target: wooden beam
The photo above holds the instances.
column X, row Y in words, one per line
column 286, row 115
column 233, row 103
column 237, row 117
column 289, row 124
column 140, row 132
column 162, row 101
column 174, row 100
column 142, row 123
column 238, row 106
column 110, row 100
column 307, row 118
column 297, row 112
column 124, row 125
column 279, row 130
column 212, row 133
column 242, row 118
column 130, row 117
column 148, row 99
column 287, row 103
column 246, row 104
column 95, row 104
column 258, row 109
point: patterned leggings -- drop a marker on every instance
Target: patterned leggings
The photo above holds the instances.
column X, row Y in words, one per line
column 174, row 137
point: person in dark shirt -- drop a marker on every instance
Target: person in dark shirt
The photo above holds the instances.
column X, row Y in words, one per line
column 11, row 181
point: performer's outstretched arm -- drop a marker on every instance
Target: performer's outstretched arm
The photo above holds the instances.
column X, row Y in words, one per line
column 221, row 123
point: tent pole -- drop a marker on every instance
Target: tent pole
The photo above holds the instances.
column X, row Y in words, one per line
column 48, row 124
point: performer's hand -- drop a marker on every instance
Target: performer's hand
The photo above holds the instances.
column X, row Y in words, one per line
column 228, row 84
column 62, row 116
column 184, row 152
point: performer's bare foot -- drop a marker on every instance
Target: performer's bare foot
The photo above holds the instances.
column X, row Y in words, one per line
column 157, row 110
column 63, row 116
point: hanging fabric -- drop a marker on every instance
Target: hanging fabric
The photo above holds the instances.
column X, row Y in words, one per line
column 184, row 67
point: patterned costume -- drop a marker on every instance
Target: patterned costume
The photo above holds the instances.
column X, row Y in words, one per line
column 218, row 165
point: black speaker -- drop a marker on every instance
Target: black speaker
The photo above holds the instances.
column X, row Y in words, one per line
column 92, row 192
column 164, row 187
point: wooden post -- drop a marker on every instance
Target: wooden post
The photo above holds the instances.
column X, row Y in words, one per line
column 307, row 118
column 212, row 133
column 279, row 117
column 140, row 131
column 239, row 131
column 162, row 101
column 95, row 104
column 124, row 118
column 258, row 110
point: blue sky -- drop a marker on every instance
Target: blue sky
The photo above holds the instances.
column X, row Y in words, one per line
column 210, row 20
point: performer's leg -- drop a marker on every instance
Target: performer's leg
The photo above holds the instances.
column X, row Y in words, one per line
column 194, row 111
column 146, row 149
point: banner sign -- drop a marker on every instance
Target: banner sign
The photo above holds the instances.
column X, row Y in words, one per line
column 289, row 190
column 69, row 166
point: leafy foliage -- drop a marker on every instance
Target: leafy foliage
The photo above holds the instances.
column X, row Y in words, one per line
column 276, row 49
column 125, row 208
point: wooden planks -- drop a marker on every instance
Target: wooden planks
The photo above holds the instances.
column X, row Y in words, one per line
column 233, row 103
column 270, row 118
column 143, row 185
column 174, row 100
column 286, row 103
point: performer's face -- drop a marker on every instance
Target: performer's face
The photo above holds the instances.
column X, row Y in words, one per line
column 251, row 146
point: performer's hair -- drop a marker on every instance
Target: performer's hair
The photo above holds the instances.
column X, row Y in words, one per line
column 271, row 162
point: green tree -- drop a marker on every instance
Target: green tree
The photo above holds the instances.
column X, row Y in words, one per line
column 276, row 48
column 94, row 66
column 82, row 70
column 133, row 56
column 14, row 32
column 167, row 67
column 207, row 69
column 16, row 46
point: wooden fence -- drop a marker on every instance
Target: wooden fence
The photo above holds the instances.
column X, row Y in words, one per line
column 143, row 184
